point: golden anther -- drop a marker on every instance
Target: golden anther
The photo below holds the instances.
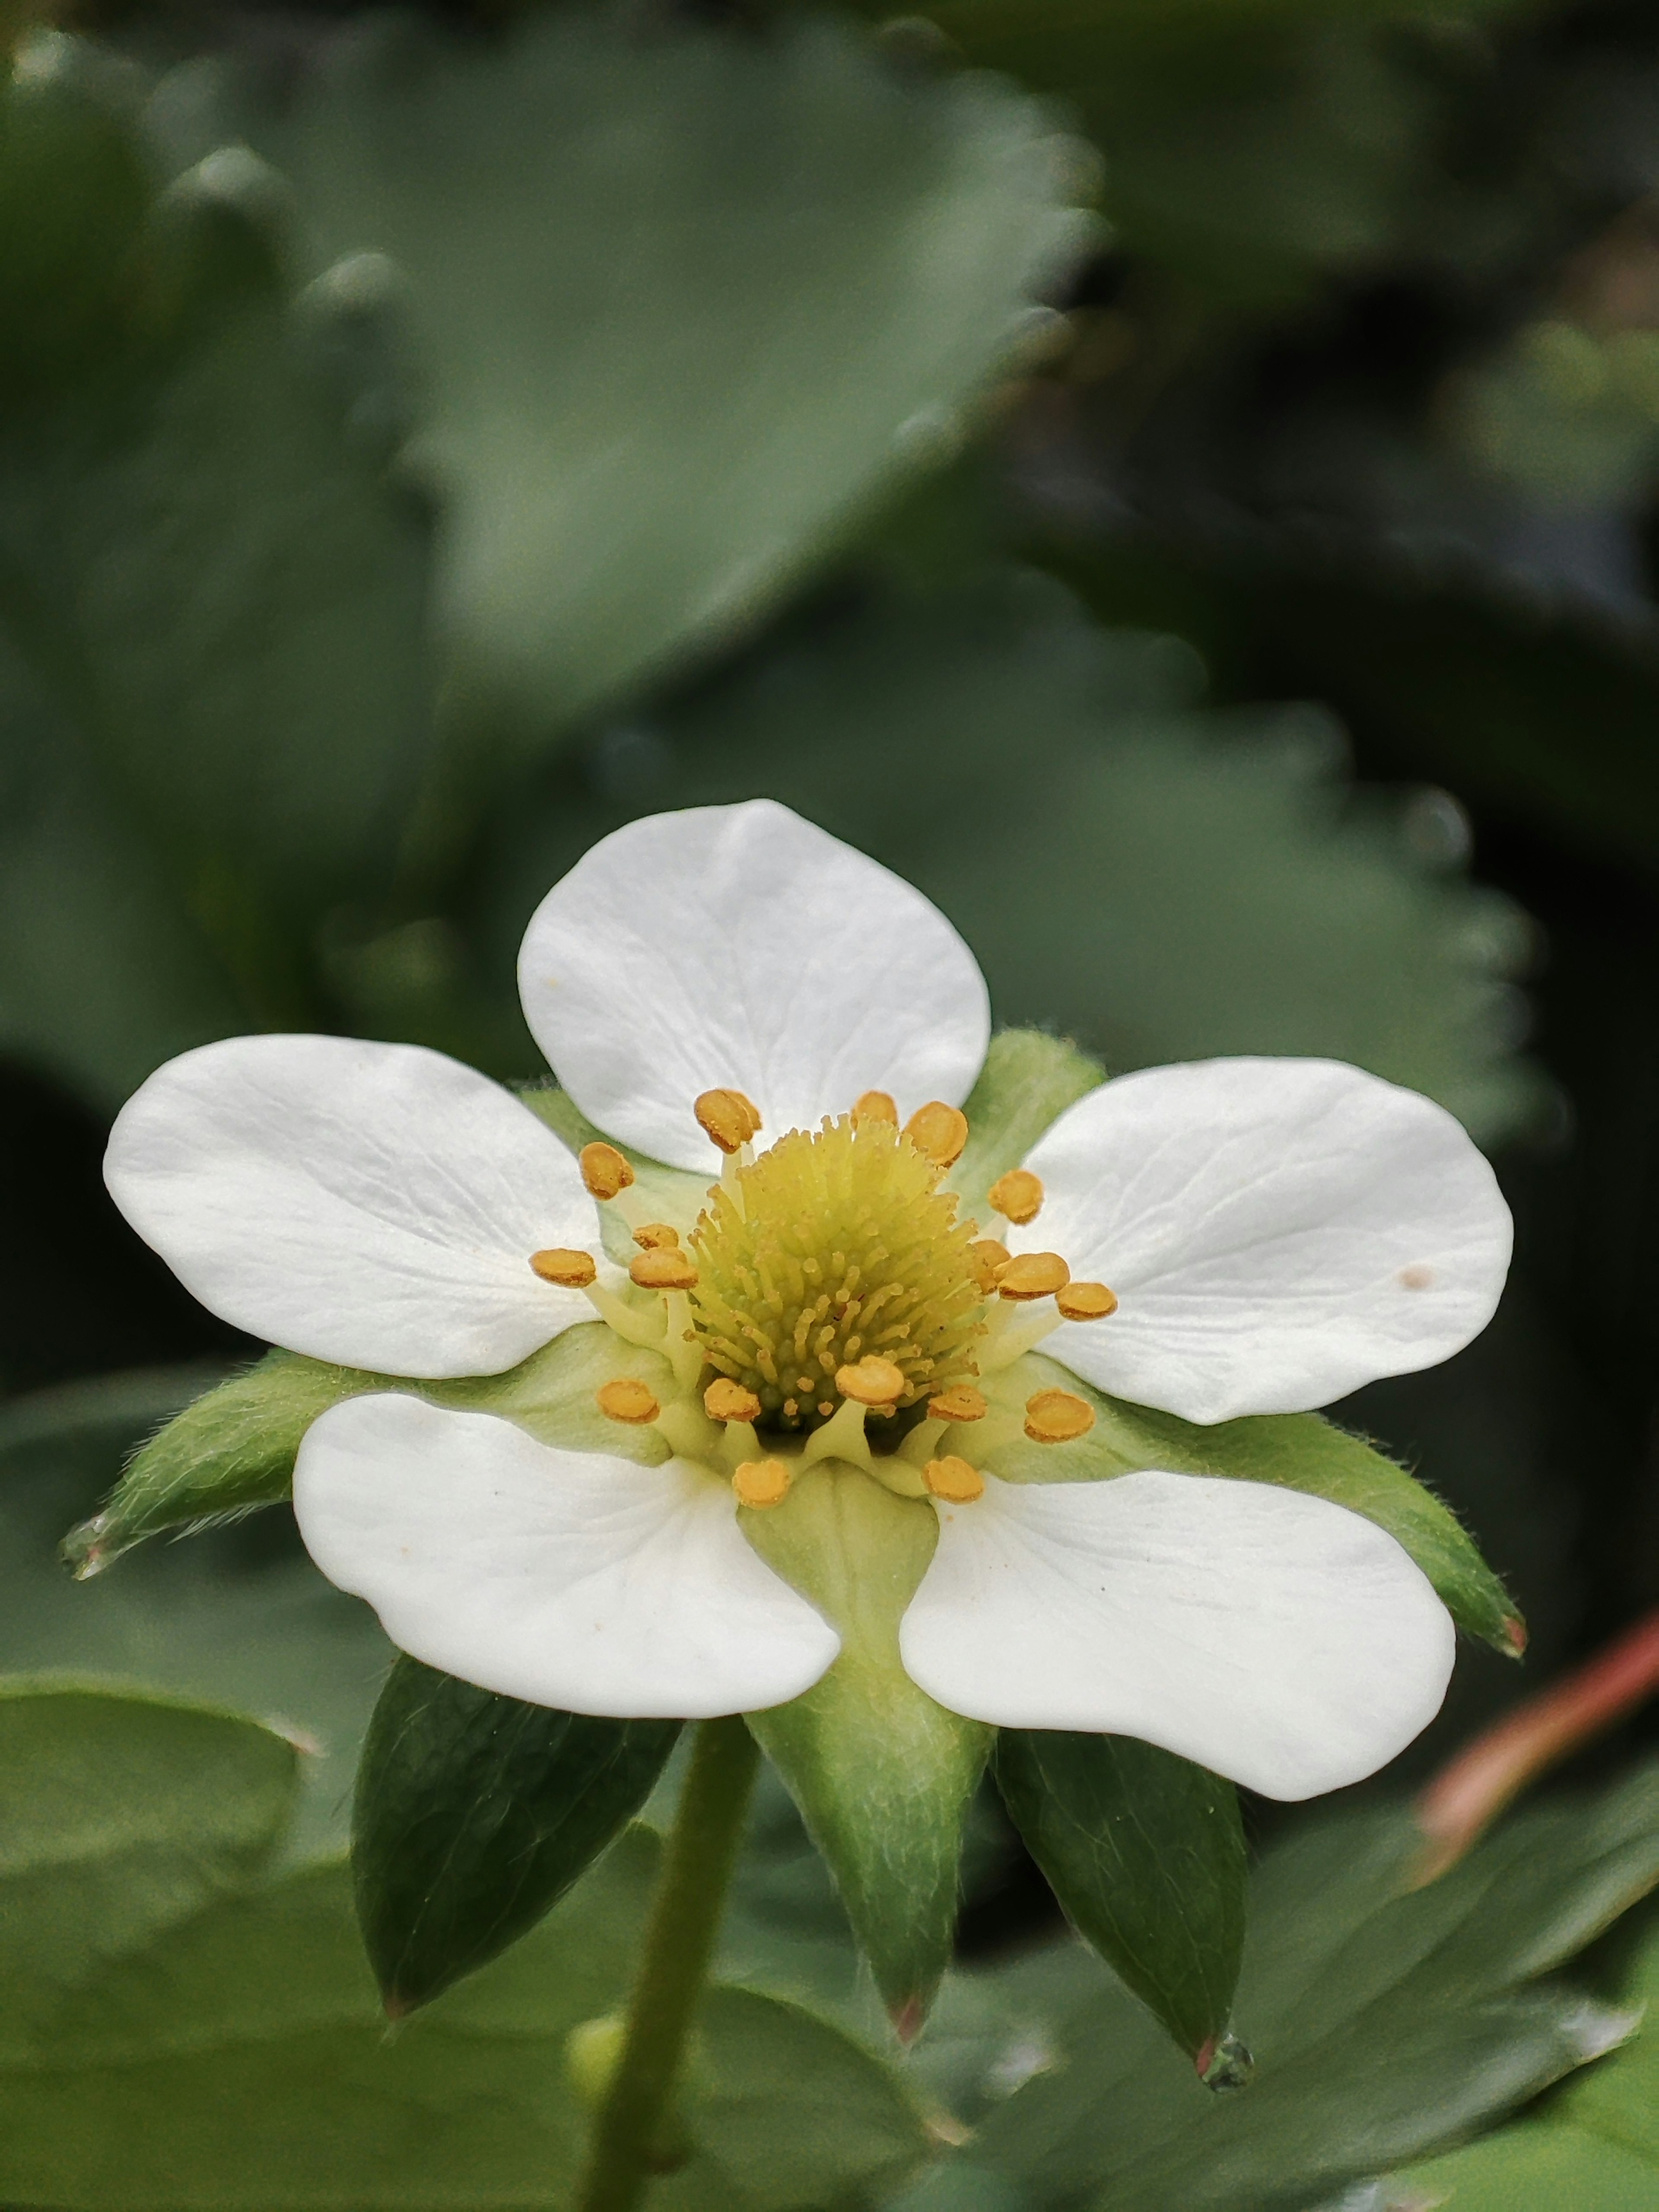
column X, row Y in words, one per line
column 960, row 1402
column 726, row 1401
column 871, row 1380
column 874, row 1106
column 656, row 1237
column 1054, row 1417
column 604, row 1169
column 665, row 1269
column 760, row 1482
column 954, row 1480
column 572, row 1271
column 1033, row 1275
column 1017, row 1196
column 726, row 1119
column 939, row 1132
column 627, row 1400
column 987, row 1259
column 1085, row 1301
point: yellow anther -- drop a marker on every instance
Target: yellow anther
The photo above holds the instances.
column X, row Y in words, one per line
column 1085, row 1301
column 1033, row 1275
column 875, row 1106
column 627, row 1400
column 1017, row 1196
column 960, row 1402
column 871, row 1380
column 987, row 1259
column 604, row 1169
column 572, row 1271
column 656, row 1237
column 1054, row 1417
column 665, row 1269
column 939, row 1132
column 954, row 1480
column 760, row 1482
column 727, row 1119
column 726, row 1401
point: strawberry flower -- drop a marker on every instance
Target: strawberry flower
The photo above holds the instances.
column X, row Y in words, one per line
column 771, row 1039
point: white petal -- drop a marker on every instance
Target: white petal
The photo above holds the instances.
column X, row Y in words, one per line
column 565, row 1578
column 1278, row 1232
column 374, row 1204
column 1270, row 1636
column 740, row 947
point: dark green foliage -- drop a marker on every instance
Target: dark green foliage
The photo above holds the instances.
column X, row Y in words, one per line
column 1145, row 1853
column 474, row 1814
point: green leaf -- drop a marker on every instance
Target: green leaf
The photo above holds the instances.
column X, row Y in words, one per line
column 1157, row 882
column 1387, row 2020
column 475, row 1814
column 1298, row 1451
column 684, row 305
column 1027, row 1080
column 121, row 1816
column 1145, row 1853
column 882, row 1775
column 233, row 2051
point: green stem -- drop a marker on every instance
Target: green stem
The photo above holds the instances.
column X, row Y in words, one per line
column 679, row 1941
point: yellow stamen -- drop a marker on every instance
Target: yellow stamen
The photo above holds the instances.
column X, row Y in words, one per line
column 954, row 1480
column 960, row 1402
column 939, row 1132
column 1018, row 1196
column 761, row 1482
column 987, row 1259
column 727, row 1119
column 665, row 1269
column 1055, row 1417
column 656, row 1237
column 572, row 1271
column 874, row 1106
column 726, row 1401
column 1085, row 1301
column 1033, row 1275
column 872, row 1380
column 627, row 1400
column 605, row 1171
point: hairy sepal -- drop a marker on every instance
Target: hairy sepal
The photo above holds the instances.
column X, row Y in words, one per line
column 1296, row 1451
column 1029, row 1079
column 1145, row 1853
column 883, row 1775
column 474, row 1814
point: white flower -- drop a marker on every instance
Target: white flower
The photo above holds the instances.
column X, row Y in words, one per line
column 1276, row 1232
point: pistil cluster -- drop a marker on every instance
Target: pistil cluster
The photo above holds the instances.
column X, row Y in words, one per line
column 829, row 1283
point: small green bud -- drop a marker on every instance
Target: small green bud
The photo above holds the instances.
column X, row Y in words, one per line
column 593, row 2053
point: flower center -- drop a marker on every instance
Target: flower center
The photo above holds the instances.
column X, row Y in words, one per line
column 836, row 1250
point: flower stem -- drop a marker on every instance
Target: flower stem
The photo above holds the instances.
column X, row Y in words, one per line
column 679, row 1941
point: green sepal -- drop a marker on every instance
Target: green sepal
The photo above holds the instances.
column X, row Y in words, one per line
column 1028, row 1080
column 1296, row 1451
column 1145, row 1853
column 233, row 1449
column 882, row 1775
column 474, row 1814
column 229, row 1452
column 677, row 1197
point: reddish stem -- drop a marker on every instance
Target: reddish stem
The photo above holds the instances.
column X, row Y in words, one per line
column 1468, row 1795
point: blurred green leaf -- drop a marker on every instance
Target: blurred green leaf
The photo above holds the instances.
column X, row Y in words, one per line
column 239, row 1614
column 213, row 599
column 121, row 1816
column 231, row 2048
column 1145, row 1853
column 684, row 303
column 882, row 1775
column 1157, row 882
column 1385, row 2020
column 474, row 1816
